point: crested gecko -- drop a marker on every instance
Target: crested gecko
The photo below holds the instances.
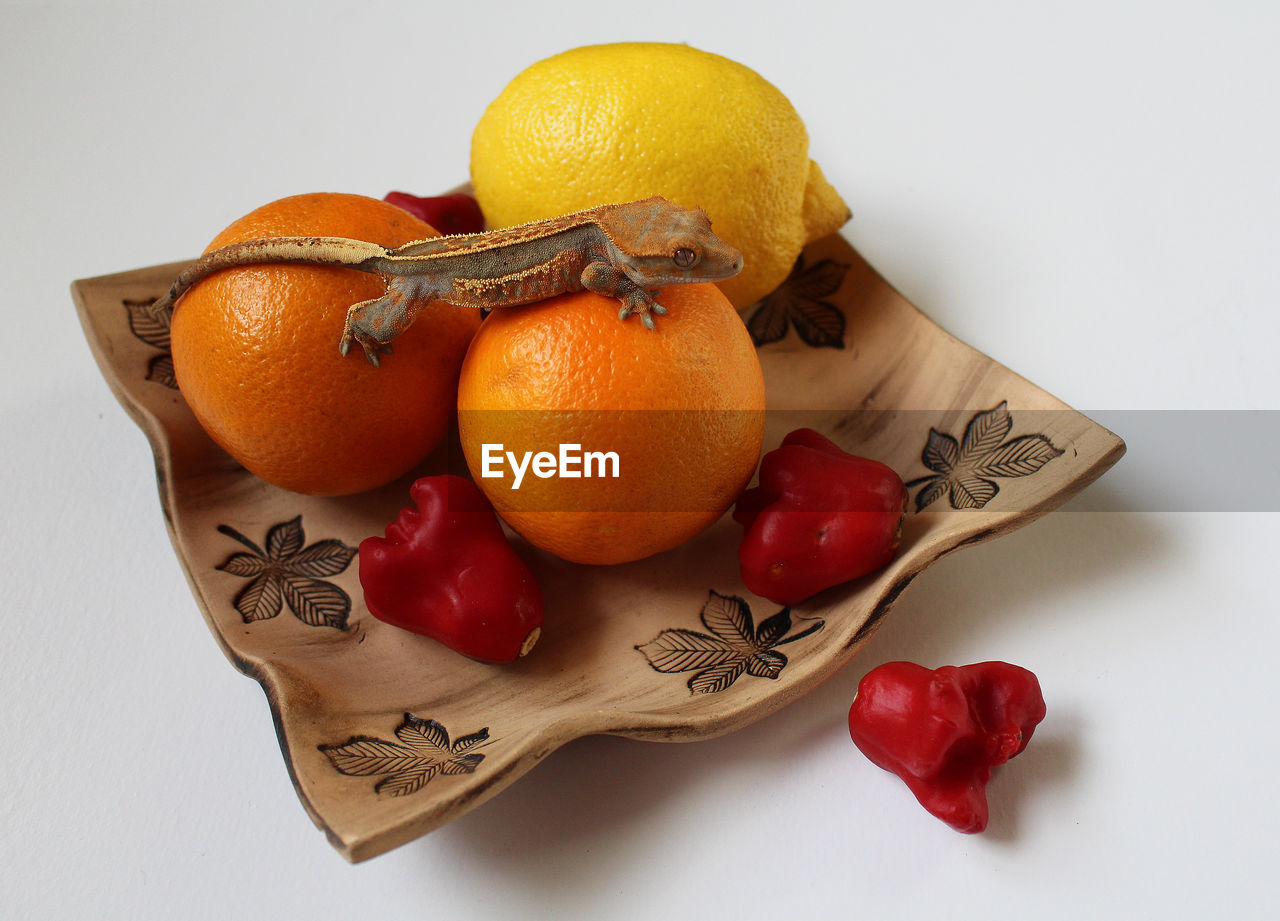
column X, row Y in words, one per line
column 625, row 251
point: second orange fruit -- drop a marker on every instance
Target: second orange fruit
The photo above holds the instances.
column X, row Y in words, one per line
column 682, row 408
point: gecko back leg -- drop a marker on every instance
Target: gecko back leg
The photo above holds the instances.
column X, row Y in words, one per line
column 375, row 322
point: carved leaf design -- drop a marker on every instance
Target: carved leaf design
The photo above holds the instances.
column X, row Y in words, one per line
column 985, row 432
column 972, row 492
column 152, row 327
column 323, row 558
column 963, row 469
column 261, row 599
column 799, row 302
column 1019, row 457
column 284, row 540
column 422, row 751
column 686, row 651
column 148, row 324
column 320, row 604
column 934, row 488
column 469, row 742
column 362, row 756
column 767, row 663
column 290, row 573
column 463, row 764
column 408, row 781
column 769, row 322
column 819, row 323
column 729, row 618
column 160, row 371
column 245, row 565
column 424, row 736
column 718, row 677
column 941, row 452
column 735, row 645
column 822, row 280
column 773, row 629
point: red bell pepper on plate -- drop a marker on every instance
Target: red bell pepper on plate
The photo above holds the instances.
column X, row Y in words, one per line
column 446, row 570
column 449, row 214
column 819, row 517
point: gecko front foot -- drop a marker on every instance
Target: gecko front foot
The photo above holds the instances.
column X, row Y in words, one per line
column 611, row 281
column 641, row 303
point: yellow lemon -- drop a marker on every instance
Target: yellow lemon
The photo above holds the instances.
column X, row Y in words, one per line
column 613, row 123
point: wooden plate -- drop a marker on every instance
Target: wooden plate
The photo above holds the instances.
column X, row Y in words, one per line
column 388, row 735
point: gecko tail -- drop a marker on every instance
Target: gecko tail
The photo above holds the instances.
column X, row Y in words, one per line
column 333, row 251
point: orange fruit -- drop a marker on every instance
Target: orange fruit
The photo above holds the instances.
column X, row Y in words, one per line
column 558, row 382
column 255, row 352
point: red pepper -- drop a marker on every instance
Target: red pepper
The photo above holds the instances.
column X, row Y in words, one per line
column 943, row 731
column 819, row 517
column 446, row 570
column 455, row 213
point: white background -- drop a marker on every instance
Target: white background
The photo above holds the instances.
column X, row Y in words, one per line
column 1087, row 192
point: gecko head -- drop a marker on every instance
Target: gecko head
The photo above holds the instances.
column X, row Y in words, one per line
column 659, row 243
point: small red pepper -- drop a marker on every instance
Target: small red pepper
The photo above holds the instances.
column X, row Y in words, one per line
column 446, row 570
column 819, row 517
column 449, row 214
column 943, row 731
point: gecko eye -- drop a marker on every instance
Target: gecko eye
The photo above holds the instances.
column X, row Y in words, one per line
column 684, row 257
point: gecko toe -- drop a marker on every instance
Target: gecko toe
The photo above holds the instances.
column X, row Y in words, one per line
column 374, row 349
column 645, row 309
column 371, row 346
